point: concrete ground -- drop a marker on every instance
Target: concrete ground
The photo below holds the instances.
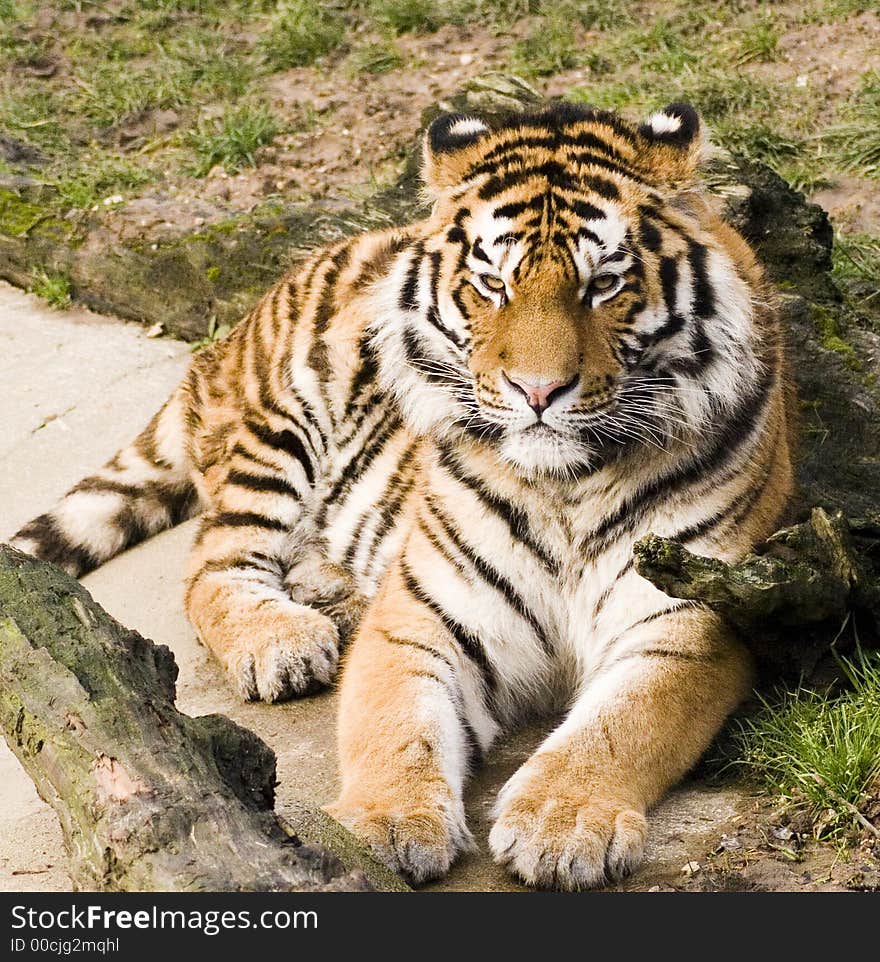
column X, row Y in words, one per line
column 75, row 388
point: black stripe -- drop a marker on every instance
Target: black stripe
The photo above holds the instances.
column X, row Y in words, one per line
column 555, row 173
column 608, row 647
column 555, row 136
column 490, row 574
column 552, row 140
column 587, row 158
column 285, row 441
column 132, row 491
column 54, row 546
column 364, row 376
column 662, row 613
column 243, row 519
column 704, row 294
column 724, row 448
column 602, row 600
column 174, row 497
column 420, row 646
column 651, row 237
column 591, row 236
column 468, row 642
column 409, row 292
column 373, row 444
column 516, row 520
column 392, row 504
column 700, row 528
column 567, row 259
column 376, row 266
column 473, row 750
column 385, row 500
column 433, row 315
column 458, row 299
column 262, row 482
column 512, row 210
column 588, row 211
column 324, row 311
column 667, row 653
column 253, row 561
column 479, row 253
column 604, row 188
column 669, row 283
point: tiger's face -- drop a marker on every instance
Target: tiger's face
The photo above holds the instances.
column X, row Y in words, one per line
column 569, row 300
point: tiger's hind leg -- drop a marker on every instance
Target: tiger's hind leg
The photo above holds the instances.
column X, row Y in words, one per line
column 573, row 816
column 271, row 646
column 411, row 721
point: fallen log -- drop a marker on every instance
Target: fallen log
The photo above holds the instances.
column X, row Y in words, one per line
column 148, row 798
column 790, row 598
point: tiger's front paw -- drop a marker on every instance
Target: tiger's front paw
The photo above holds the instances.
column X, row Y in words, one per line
column 420, row 843
column 284, row 651
column 330, row 589
column 571, row 837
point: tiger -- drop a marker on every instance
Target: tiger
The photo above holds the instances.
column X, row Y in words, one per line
column 439, row 443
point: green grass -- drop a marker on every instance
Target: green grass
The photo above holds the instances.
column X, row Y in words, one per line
column 857, row 272
column 411, row 16
column 98, row 176
column 216, row 332
column 855, row 142
column 301, row 32
column 760, row 41
column 53, row 288
column 375, row 58
column 233, row 139
column 818, row 751
column 856, row 257
column 550, row 48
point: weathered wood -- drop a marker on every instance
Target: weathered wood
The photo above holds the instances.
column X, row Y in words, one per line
column 789, row 599
column 149, row 799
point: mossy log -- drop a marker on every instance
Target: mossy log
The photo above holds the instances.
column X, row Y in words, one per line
column 148, row 798
column 791, row 597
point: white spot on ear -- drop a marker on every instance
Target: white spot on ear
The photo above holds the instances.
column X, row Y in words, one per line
column 664, row 123
column 468, row 127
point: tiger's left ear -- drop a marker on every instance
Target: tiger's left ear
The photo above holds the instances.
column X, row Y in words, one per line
column 449, row 149
column 673, row 144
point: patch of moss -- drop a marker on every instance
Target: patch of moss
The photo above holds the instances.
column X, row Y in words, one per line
column 20, row 217
column 831, row 336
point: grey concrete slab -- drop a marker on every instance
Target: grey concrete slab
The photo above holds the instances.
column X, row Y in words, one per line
column 77, row 387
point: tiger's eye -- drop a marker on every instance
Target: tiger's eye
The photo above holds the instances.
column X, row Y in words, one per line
column 603, row 282
column 493, row 283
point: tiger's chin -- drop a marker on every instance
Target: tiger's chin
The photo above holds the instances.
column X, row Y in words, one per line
column 541, row 451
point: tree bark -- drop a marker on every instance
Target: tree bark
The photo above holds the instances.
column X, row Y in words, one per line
column 789, row 599
column 149, row 799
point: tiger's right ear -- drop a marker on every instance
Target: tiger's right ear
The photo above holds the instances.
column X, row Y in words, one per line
column 450, row 148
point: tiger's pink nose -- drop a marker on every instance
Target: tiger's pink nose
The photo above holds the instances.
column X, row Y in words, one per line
column 539, row 394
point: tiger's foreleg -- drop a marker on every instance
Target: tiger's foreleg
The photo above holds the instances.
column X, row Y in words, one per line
column 411, row 718
column 271, row 646
column 573, row 816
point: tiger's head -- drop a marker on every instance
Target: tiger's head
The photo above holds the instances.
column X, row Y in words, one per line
column 571, row 294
